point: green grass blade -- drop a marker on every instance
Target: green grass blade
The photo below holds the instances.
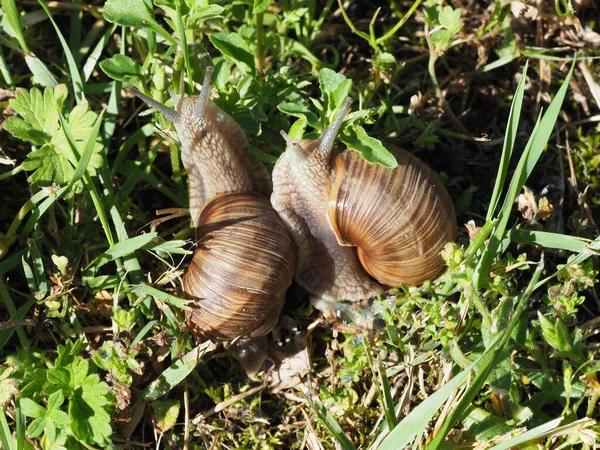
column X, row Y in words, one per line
column 514, row 117
column 6, row 334
column 533, row 150
column 92, row 60
column 41, row 73
column 12, row 15
column 534, row 433
column 4, row 69
column 121, row 249
column 6, row 299
column 6, row 437
column 403, row 434
column 548, row 240
column 329, row 422
column 177, row 372
column 144, row 289
column 488, row 365
column 383, row 388
column 20, row 421
column 142, row 334
column 184, row 47
column 73, row 69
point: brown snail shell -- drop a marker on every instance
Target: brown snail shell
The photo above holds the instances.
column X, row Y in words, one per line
column 241, row 269
column 399, row 219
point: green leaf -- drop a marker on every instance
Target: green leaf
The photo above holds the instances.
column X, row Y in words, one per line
column 441, row 38
column 121, row 249
column 165, row 413
column 90, row 420
column 55, row 400
column 123, row 68
column 432, row 15
column 450, row 19
column 144, row 289
column 233, row 46
column 335, row 88
column 60, row 378
column 32, row 409
column 36, row 427
column 55, row 161
column 205, row 13
column 371, row 149
column 297, row 129
column 134, row 13
column 12, row 15
column 260, row 6
column 180, row 369
column 297, row 109
column 38, row 112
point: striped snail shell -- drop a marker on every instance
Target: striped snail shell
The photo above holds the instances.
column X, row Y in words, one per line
column 400, row 219
column 245, row 257
column 399, row 236
column 241, row 269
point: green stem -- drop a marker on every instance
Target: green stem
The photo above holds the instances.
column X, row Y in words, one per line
column 260, row 55
column 356, row 31
column 12, row 311
column 402, row 21
column 11, row 172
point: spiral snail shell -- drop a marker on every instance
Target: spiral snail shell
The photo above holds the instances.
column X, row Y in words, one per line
column 245, row 257
column 400, row 218
column 241, row 269
column 398, row 238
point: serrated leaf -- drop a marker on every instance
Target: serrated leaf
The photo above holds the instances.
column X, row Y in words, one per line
column 335, row 88
column 432, row 15
column 54, row 161
column 450, row 19
column 38, row 112
column 31, row 408
column 371, row 149
column 90, row 420
column 49, row 167
column 234, row 46
column 87, row 424
column 123, row 68
column 300, row 111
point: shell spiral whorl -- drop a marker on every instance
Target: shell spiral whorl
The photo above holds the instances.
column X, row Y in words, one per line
column 241, row 269
column 400, row 219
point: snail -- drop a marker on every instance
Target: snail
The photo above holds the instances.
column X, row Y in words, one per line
column 398, row 219
column 245, row 256
column 213, row 148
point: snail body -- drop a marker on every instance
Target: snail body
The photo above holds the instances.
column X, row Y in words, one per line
column 399, row 219
column 213, row 148
column 245, row 257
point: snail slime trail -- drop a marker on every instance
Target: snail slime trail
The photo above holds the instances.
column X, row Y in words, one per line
column 359, row 227
column 245, row 257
